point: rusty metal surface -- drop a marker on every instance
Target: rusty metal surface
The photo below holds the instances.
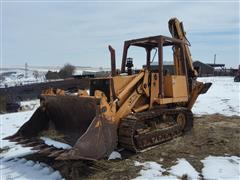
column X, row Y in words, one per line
column 68, row 115
column 76, row 118
column 99, row 141
column 113, row 61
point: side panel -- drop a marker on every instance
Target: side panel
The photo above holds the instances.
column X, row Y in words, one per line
column 120, row 82
column 175, row 86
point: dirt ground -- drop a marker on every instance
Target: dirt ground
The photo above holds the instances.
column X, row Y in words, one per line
column 212, row 135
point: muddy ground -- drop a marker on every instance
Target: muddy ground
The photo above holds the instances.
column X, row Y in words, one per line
column 212, row 135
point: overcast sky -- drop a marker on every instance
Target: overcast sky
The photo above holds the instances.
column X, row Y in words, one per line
column 55, row 33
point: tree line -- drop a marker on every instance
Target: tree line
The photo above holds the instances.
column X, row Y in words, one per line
column 65, row 72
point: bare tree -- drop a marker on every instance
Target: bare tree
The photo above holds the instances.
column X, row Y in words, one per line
column 67, row 71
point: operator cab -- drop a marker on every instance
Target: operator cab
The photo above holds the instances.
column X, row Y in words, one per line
column 169, row 79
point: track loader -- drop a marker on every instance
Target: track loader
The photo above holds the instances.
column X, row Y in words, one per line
column 131, row 110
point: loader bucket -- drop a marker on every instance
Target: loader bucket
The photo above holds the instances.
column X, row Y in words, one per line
column 74, row 120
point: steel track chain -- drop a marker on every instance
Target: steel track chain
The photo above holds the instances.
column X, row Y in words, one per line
column 129, row 139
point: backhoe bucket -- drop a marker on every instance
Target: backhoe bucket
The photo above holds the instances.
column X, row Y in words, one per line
column 73, row 120
column 205, row 88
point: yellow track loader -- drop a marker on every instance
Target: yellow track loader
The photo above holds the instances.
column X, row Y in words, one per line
column 131, row 110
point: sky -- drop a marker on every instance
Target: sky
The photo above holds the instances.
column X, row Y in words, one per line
column 53, row 33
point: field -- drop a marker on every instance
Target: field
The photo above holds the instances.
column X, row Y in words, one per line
column 210, row 150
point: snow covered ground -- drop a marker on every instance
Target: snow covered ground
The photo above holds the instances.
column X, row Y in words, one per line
column 22, row 169
column 15, row 76
column 29, row 105
column 222, row 97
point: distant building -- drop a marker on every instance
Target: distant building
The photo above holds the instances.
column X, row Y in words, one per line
column 216, row 65
column 168, row 66
column 203, row 69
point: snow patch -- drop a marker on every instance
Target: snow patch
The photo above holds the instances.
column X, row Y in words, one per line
column 29, row 163
column 56, row 144
column 221, row 167
column 21, row 169
column 30, row 105
column 223, row 97
column 184, row 167
column 214, row 168
column 9, row 124
column 114, row 155
column 152, row 170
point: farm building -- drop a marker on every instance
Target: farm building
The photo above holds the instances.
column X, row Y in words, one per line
column 167, row 66
column 203, row 69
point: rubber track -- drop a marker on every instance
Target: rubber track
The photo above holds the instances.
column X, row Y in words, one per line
column 130, row 124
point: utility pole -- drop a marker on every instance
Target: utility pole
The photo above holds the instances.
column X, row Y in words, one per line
column 215, row 56
column 26, row 70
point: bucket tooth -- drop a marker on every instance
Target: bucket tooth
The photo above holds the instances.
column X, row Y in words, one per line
column 39, row 147
column 56, row 153
column 31, row 144
column 23, row 141
column 66, row 156
column 8, row 138
column 15, row 139
column 47, row 150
